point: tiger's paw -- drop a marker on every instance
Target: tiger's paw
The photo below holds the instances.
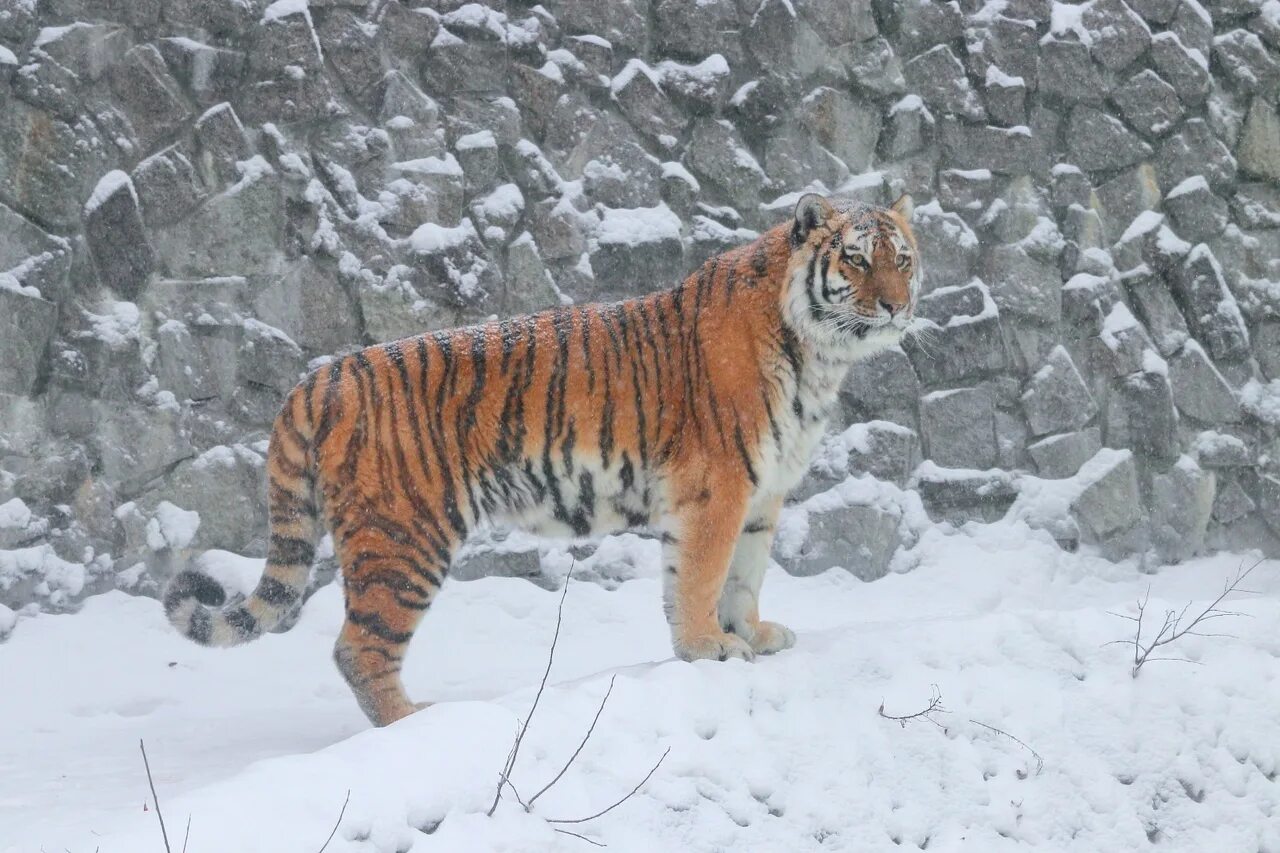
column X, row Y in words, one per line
column 771, row 637
column 714, row 647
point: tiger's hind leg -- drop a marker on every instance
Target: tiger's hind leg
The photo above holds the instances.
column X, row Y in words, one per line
column 386, row 599
column 739, row 608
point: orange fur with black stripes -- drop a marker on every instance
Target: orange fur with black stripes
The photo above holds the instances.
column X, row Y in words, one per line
column 689, row 413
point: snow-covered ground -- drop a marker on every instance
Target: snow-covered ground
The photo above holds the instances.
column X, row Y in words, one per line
column 259, row 745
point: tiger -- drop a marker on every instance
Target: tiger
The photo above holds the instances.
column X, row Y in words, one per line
column 687, row 413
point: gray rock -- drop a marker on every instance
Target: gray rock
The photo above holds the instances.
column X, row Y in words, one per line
column 794, row 159
column 845, row 126
column 1098, row 142
column 211, row 74
column 28, row 324
column 1005, row 98
column 1140, row 415
column 952, row 244
column 1184, row 70
column 1087, row 301
column 309, row 304
column 226, row 485
column 117, row 238
column 239, row 231
column 882, row 388
column 1005, row 151
column 136, row 445
column 1247, row 62
column 888, row 451
column 1119, row 36
column 1210, row 308
column 199, row 365
column 1007, row 42
column 212, row 16
column 940, row 79
column 1061, row 456
column 623, row 250
column 467, row 57
column 1056, row 398
column 32, row 257
column 625, row 24
column 51, row 188
column 167, row 186
column 973, row 343
column 351, row 48
column 836, row 22
column 1022, row 285
column 1269, row 501
column 1194, row 27
column 1149, row 104
column 407, row 32
column 1199, row 389
column 529, row 285
column 958, row 428
column 638, row 92
column 1067, row 72
column 286, row 80
column 1218, row 450
column 1125, row 197
column 220, row 144
column 453, row 266
column 1110, row 504
column 269, row 358
column 693, row 29
column 1155, row 11
column 861, row 539
column 1267, row 345
column 1267, row 27
column 1154, row 305
column 965, row 495
column 149, row 95
column 1198, row 213
column 909, row 127
column 1259, row 145
column 1232, row 503
column 1194, row 150
column 700, row 88
column 1182, row 501
column 922, row 25
column 718, row 155
column 874, row 66
column 488, row 561
column 559, row 229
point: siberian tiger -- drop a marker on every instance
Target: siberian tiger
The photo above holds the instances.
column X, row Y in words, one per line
column 688, row 412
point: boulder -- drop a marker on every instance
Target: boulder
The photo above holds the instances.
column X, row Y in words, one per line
column 973, row 342
column 881, row 388
column 1199, row 389
column 1187, row 70
column 1068, row 73
column 1056, row 398
column 1060, row 456
column 635, row 242
column 958, row 428
column 117, row 238
column 718, row 155
column 1247, row 62
column 1194, row 150
column 27, row 322
column 1210, row 308
column 1097, row 141
column 939, row 78
column 694, row 28
column 1182, row 501
column 845, row 126
column 1119, row 36
column 1149, row 104
column 861, row 539
column 962, row 495
column 1259, row 145
column 1109, row 504
column 1197, row 212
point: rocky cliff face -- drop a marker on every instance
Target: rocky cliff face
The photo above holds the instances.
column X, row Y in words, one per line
column 201, row 198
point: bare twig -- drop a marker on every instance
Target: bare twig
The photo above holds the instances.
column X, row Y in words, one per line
column 337, row 824
column 585, row 738
column 580, row 837
column 934, row 707
column 632, row 793
column 1174, row 627
column 186, row 835
column 515, row 747
column 163, row 833
column 1036, row 755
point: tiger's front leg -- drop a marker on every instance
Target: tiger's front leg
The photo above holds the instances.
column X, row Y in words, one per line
column 740, row 599
column 708, row 516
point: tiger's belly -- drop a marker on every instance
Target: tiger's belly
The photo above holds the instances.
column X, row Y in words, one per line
column 584, row 498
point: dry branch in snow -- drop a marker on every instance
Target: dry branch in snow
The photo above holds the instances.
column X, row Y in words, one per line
column 1174, row 628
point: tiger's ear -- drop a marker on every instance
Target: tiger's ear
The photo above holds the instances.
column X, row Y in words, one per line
column 904, row 206
column 811, row 211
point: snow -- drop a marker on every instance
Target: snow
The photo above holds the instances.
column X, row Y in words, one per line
column 673, row 169
column 107, row 186
column 171, row 527
column 506, row 201
column 639, row 225
column 1191, row 184
column 429, row 238
column 1262, row 401
column 996, row 77
column 118, row 325
column 14, row 514
column 260, row 744
column 1067, row 19
column 284, row 8
column 7, row 57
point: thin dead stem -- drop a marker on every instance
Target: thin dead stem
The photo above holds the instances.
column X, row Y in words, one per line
column 337, row 824
column 630, row 794
column 934, row 707
column 1174, row 625
column 585, row 738
column 147, row 764
column 1022, row 774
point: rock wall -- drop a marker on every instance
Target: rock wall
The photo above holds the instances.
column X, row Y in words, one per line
column 201, row 198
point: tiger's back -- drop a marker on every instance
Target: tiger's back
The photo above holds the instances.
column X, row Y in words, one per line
column 689, row 412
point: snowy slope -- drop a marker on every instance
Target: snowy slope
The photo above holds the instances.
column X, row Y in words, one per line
column 260, row 744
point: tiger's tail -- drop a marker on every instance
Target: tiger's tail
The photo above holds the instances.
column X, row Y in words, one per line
column 195, row 603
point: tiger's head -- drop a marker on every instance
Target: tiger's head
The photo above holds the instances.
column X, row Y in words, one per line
column 854, row 272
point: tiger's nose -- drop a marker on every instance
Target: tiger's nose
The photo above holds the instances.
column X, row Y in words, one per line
column 892, row 307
